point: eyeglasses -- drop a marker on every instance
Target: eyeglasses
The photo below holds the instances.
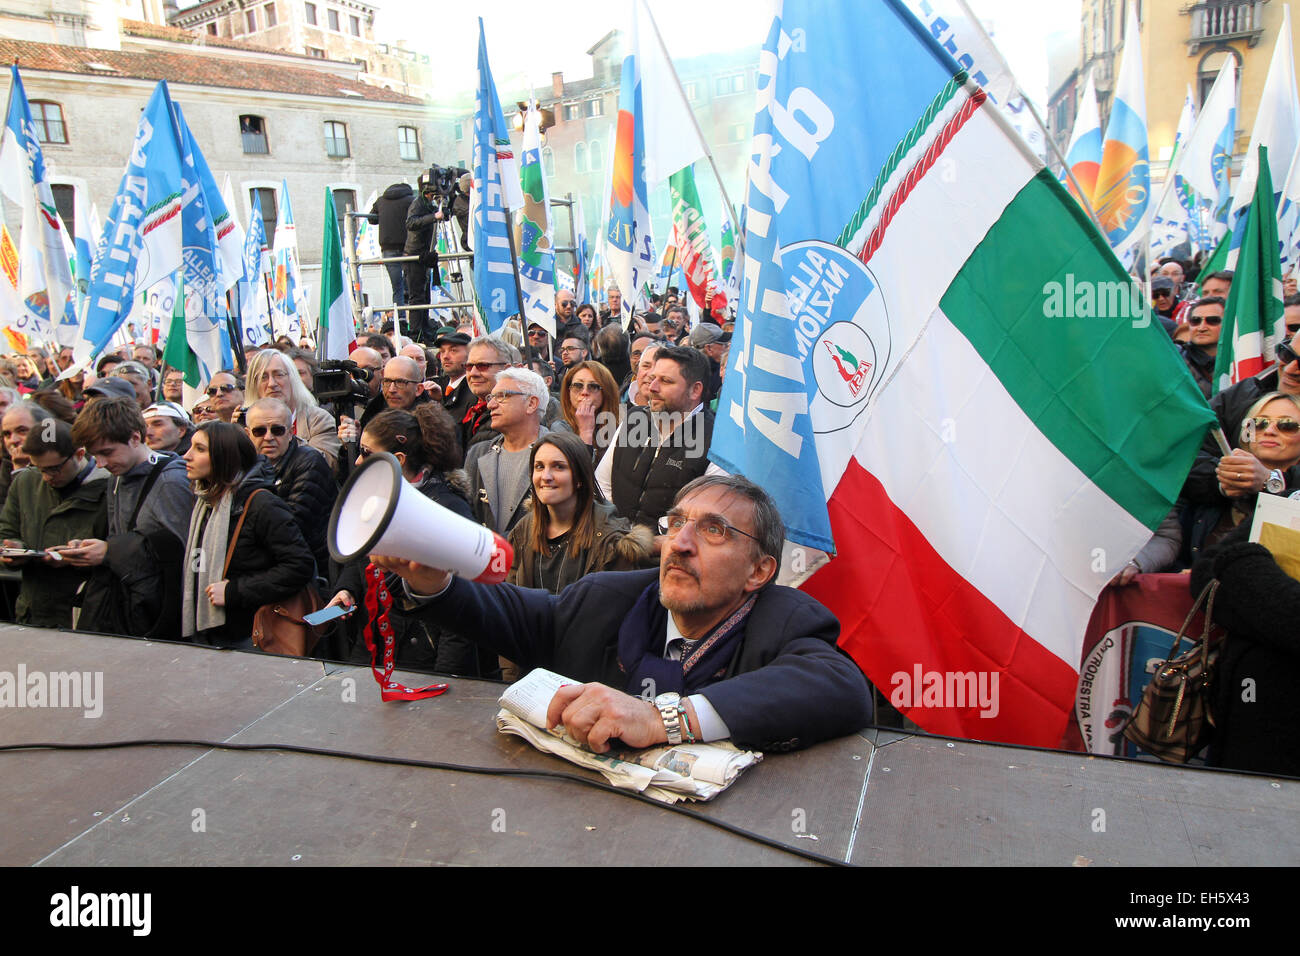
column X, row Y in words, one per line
column 714, row 528
column 1287, row 426
column 258, row 431
column 1196, row 320
column 1286, row 355
column 483, row 366
column 1160, row 293
column 585, row 387
column 223, row 389
column 536, row 333
column 500, row 397
column 365, row 452
column 53, row 470
column 396, row 382
column 571, row 348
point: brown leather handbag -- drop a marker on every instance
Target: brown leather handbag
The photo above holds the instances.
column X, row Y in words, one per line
column 279, row 628
column 1174, row 720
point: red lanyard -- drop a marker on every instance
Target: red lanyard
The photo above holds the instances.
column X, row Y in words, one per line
column 378, row 603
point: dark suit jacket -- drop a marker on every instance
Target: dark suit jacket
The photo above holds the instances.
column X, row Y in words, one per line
column 787, row 686
column 459, row 401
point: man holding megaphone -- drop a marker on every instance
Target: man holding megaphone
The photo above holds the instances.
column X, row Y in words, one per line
column 705, row 648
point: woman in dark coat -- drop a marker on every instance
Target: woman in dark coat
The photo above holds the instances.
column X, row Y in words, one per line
column 270, row 562
column 425, row 443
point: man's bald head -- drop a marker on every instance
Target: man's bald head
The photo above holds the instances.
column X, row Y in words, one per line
column 401, row 382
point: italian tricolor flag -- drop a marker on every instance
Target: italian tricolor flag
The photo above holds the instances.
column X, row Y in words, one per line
column 338, row 330
column 998, row 424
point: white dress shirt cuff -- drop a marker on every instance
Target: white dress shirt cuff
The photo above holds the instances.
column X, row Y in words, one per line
column 712, row 727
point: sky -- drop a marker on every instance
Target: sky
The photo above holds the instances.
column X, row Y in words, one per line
column 525, row 48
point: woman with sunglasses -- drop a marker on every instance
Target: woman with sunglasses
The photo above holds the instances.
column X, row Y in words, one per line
column 425, row 444
column 226, row 394
column 271, row 374
column 270, row 560
column 1266, row 461
column 590, row 407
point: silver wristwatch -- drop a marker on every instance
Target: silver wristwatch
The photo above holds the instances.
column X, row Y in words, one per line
column 671, row 710
column 1276, row 484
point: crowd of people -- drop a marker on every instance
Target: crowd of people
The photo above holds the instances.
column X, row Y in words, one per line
column 151, row 516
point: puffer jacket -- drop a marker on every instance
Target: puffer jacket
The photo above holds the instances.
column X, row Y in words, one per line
column 618, row 546
column 271, row 561
column 306, row 484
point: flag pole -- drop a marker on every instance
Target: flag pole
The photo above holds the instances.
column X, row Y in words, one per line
column 1084, row 199
column 708, row 153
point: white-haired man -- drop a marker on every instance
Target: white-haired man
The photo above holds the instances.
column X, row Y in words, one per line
column 498, row 470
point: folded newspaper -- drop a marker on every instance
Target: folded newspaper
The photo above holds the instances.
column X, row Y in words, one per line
column 670, row 774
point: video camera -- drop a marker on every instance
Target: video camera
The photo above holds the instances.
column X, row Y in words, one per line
column 444, row 181
column 341, row 380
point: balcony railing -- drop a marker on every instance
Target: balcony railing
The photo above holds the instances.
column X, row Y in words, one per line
column 1217, row 20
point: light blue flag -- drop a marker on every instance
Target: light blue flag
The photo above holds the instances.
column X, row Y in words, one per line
column 254, row 305
column 494, row 273
column 812, row 183
column 206, row 316
column 44, row 274
column 141, row 243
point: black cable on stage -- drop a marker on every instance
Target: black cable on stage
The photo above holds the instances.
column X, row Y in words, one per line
column 439, row 765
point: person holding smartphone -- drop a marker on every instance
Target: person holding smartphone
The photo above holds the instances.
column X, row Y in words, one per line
column 60, row 498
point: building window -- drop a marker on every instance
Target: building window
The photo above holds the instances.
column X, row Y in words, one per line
column 336, row 139
column 48, row 118
column 251, row 17
column 270, row 209
column 212, row 29
column 65, row 201
column 343, row 200
column 571, row 111
column 548, row 161
column 595, row 107
column 333, row 17
column 354, row 26
column 316, row 51
column 580, row 158
column 594, row 156
column 460, row 132
column 252, row 129
column 311, row 14
column 365, row 67
column 692, row 91
column 737, row 133
column 408, row 143
column 726, row 85
column 269, row 12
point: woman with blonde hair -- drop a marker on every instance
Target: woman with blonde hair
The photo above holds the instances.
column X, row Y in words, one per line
column 271, row 374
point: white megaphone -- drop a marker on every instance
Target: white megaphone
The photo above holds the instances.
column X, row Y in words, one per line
column 380, row 512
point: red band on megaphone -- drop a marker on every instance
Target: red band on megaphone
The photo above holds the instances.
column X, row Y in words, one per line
column 498, row 566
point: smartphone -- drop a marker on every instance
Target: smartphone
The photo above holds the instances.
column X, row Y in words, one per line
column 327, row 614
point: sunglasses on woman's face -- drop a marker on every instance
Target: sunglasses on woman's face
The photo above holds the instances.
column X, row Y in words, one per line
column 1287, row 426
column 260, row 431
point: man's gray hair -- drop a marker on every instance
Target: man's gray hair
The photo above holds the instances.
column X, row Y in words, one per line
column 528, row 382
column 273, row 405
column 768, row 527
column 505, row 351
column 300, row 399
